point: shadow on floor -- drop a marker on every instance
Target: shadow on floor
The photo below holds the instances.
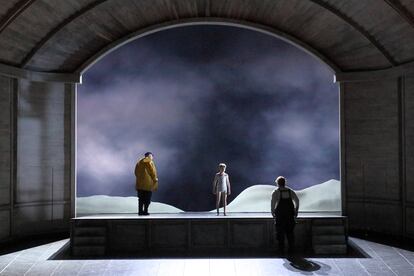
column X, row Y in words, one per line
column 297, row 260
column 30, row 242
column 302, row 264
column 389, row 240
column 307, row 267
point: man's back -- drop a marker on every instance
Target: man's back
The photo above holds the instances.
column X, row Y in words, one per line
column 284, row 208
column 146, row 175
column 283, row 193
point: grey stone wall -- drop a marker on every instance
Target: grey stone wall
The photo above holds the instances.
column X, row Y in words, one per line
column 42, row 190
column 35, row 157
column 6, row 95
column 376, row 129
column 408, row 158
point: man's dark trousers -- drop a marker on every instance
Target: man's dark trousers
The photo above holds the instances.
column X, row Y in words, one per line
column 282, row 231
column 144, row 200
column 285, row 223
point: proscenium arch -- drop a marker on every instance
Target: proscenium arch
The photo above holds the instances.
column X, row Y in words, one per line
column 211, row 21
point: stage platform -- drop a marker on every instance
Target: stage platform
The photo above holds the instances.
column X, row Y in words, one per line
column 201, row 234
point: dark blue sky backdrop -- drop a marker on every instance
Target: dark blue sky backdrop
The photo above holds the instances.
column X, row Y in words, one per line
column 197, row 96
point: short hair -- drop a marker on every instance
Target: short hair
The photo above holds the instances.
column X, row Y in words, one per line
column 281, row 181
column 222, row 165
column 147, row 154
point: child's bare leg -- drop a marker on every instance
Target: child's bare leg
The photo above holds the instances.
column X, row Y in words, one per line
column 218, row 201
column 225, row 202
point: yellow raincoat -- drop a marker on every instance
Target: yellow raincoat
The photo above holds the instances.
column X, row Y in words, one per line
column 146, row 175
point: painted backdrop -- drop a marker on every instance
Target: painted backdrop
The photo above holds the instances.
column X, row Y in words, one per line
column 197, row 96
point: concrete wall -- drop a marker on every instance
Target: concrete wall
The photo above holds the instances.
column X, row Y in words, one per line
column 378, row 140
column 6, row 138
column 42, row 190
column 408, row 158
column 35, row 165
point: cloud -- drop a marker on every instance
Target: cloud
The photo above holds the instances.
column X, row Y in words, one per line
column 252, row 101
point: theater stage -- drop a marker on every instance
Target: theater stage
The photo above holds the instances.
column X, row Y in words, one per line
column 201, row 234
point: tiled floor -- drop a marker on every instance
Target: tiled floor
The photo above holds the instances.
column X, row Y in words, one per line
column 380, row 260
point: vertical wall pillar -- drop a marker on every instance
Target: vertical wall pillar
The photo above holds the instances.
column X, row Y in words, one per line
column 376, row 137
column 408, row 149
column 73, row 149
column 342, row 141
column 37, row 156
column 401, row 151
column 7, row 92
column 42, row 193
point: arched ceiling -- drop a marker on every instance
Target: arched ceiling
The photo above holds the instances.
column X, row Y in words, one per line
column 68, row 35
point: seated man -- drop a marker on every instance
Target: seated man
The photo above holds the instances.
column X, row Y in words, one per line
column 284, row 208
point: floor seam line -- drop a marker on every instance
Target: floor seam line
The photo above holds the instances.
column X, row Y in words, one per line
column 382, row 260
column 11, row 262
column 405, row 258
column 30, row 267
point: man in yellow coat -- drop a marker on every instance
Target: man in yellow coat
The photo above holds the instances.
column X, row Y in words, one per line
column 146, row 182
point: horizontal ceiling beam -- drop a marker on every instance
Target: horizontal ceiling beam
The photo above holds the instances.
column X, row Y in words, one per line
column 19, row 73
column 406, row 69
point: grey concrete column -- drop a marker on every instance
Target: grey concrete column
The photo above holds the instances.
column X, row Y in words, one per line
column 7, row 86
column 408, row 150
column 73, row 148
column 37, row 156
column 342, row 130
column 371, row 135
column 42, row 193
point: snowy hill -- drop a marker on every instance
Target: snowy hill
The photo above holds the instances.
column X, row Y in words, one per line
column 102, row 204
column 321, row 197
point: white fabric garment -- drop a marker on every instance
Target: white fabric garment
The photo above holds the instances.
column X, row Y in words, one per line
column 221, row 183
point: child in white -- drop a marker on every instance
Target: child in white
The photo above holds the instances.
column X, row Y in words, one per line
column 221, row 187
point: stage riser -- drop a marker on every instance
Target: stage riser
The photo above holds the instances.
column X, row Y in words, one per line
column 184, row 237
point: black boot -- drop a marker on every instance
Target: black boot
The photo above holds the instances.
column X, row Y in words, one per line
column 140, row 208
column 146, row 210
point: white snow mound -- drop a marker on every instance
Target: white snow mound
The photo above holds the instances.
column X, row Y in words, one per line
column 321, row 197
column 103, row 204
column 318, row 198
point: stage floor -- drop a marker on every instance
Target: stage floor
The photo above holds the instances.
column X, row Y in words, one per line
column 54, row 259
column 206, row 215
